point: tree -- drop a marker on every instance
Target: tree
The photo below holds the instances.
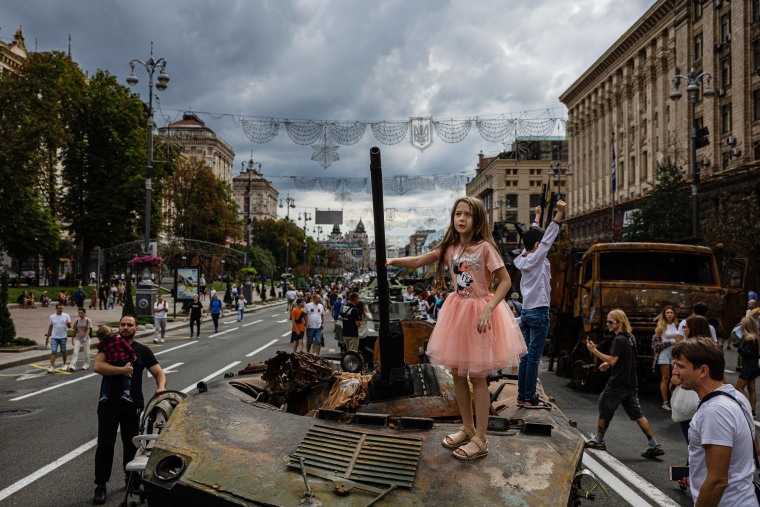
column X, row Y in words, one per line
column 263, row 261
column 201, row 205
column 734, row 223
column 7, row 328
column 665, row 214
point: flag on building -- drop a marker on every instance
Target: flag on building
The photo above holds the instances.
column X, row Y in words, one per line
column 614, row 168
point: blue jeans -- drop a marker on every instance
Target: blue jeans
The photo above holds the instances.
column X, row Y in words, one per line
column 535, row 326
column 240, row 314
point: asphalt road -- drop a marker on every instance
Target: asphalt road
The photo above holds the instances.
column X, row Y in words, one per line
column 48, row 423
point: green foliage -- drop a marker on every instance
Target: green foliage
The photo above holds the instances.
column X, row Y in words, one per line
column 7, row 328
column 203, row 205
column 665, row 214
column 244, row 273
column 271, row 235
column 129, row 303
column 263, row 260
column 734, row 224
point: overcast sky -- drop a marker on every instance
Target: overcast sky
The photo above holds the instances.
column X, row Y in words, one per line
column 345, row 60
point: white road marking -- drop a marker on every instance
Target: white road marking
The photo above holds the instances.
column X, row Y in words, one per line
column 56, row 386
column 168, row 369
column 230, row 321
column 287, row 334
column 21, row 484
column 251, row 323
column 281, row 321
column 635, row 479
column 255, row 322
column 275, row 315
column 224, row 332
column 614, row 483
column 209, row 377
column 261, row 348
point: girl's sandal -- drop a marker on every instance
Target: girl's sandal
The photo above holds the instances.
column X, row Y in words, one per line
column 456, row 442
column 474, row 449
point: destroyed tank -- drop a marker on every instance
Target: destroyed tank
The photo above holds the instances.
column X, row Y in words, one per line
column 306, row 431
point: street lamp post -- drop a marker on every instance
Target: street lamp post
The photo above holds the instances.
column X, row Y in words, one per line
column 693, row 80
column 162, row 80
column 556, row 168
column 289, row 203
column 306, row 218
column 318, row 230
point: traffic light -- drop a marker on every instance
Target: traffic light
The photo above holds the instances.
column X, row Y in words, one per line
column 702, row 137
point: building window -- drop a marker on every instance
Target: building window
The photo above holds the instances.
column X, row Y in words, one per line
column 756, row 105
column 726, row 160
column 209, row 151
column 512, row 200
column 725, row 118
column 535, row 200
column 698, row 47
column 644, row 168
column 697, row 9
column 725, row 72
column 755, row 10
column 192, row 150
column 756, row 151
column 632, row 172
column 725, row 27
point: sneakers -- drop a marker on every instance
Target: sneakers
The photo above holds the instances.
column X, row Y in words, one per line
column 100, row 494
column 191, row 336
column 103, row 399
column 51, row 370
column 666, row 406
column 653, row 452
column 593, row 444
column 71, row 367
column 161, row 340
column 126, row 397
column 155, row 340
column 85, row 366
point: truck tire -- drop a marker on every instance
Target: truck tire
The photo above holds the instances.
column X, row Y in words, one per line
column 563, row 364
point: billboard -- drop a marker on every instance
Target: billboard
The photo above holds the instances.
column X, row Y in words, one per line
column 186, row 283
column 328, row 217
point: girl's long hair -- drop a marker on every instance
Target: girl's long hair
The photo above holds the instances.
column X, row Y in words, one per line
column 661, row 321
column 480, row 232
column 749, row 328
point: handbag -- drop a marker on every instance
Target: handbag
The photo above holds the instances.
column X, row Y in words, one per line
column 713, row 394
column 683, row 404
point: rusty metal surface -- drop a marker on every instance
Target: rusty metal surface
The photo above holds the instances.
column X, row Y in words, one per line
column 238, row 454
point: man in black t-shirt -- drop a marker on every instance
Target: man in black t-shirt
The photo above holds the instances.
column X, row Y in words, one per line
column 622, row 386
column 115, row 413
column 196, row 311
column 351, row 317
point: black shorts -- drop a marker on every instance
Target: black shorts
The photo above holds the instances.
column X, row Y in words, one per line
column 612, row 397
column 750, row 369
column 294, row 337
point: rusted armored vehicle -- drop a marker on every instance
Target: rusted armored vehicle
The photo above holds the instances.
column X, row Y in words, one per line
column 307, row 432
column 640, row 279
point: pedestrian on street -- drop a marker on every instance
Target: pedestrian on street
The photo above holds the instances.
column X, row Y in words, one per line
column 315, row 325
column 203, row 288
column 241, row 302
column 93, row 298
column 536, row 290
column 79, row 296
column 622, row 386
column 160, row 315
column 665, row 333
column 722, row 439
column 298, row 325
column 103, row 295
column 338, row 322
column 120, row 290
column 115, row 415
column 58, row 325
column 351, row 317
column 196, row 311
column 82, row 331
column 750, row 355
column 216, row 309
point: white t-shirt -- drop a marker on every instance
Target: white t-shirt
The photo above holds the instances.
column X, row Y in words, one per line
column 314, row 315
column 60, row 325
column 712, row 331
column 720, row 421
column 290, row 295
column 535, row 271
column 163, row 309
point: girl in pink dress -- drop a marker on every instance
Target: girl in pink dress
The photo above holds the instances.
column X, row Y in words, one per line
column 475, row 334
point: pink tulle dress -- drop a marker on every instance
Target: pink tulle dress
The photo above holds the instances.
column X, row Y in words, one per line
column 455, row 341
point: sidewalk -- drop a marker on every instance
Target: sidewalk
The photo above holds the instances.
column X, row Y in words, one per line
column 32, row 323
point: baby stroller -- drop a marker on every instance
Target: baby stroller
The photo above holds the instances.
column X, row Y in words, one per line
column 152, row 423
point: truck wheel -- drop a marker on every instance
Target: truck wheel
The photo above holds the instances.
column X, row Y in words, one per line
column 578, row 372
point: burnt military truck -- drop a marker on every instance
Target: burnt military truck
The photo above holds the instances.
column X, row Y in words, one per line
column 640, row 279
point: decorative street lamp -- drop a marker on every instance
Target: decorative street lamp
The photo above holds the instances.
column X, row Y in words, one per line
column 162, row 80
column 250, row 167
column 290, row 202
column 556, row 168
column 318, row 230
column 306, row 218
column 693, row 81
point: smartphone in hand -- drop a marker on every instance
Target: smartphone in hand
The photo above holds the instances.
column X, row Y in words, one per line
column 677, row 473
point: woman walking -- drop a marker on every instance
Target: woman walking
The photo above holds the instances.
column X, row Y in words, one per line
column 665, row 334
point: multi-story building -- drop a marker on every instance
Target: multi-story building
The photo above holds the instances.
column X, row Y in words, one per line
column 13, row 55
column 262, row 196
column 198, row 142
column 416, row 241
column 622, row 103
column 511, row 183
column 353, row 247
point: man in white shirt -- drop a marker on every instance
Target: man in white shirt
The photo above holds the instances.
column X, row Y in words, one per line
column 722, row 440
column 58, row 325
column 315, row 324
column 535, row 288
column 291, row 295
column 697, row 309
column 160, row 313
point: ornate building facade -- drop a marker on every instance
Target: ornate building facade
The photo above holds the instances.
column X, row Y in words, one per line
column 198, row 142
column 622, row 104
column 263, row 196
column 13, row 55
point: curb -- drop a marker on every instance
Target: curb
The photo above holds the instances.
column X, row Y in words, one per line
column 45, row 354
